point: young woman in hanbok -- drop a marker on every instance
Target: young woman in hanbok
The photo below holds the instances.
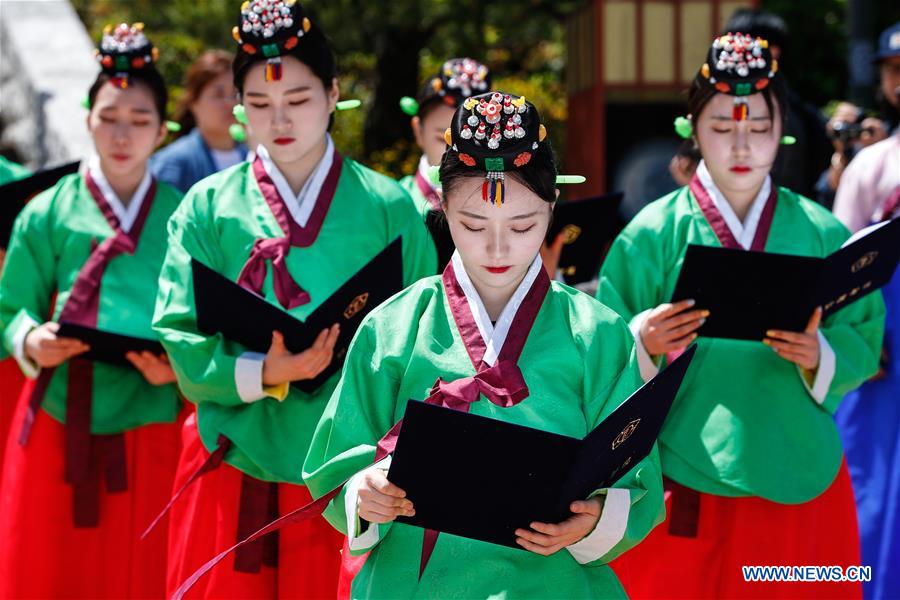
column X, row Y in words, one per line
column 495, row 337
column 753, row 466
column 93, row 446
column 293, row 226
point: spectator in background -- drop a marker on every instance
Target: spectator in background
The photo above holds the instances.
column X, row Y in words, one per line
column 797, row 166
column 205, row 145
column 850, row 130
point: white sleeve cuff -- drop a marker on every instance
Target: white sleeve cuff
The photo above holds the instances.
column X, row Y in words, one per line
column 248, row 376
column 649, row 369
column 28, row 366
column 825, row 372
column 371, row 536
column 609, row 531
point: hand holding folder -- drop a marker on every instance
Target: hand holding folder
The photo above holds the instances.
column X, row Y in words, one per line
column 507, row 476
column 106, row 346
column 750, row 293
column 224, row 307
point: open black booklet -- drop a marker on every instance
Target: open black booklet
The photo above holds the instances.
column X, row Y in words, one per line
column 590, row 225
column 248, row 319
column 15, row 194
column 748, row 293
column 482, row 478
column 106, row 346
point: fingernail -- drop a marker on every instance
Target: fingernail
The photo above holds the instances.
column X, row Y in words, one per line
column 702, row 321
column 705, row 313
column 692, row 302
column 767, row 342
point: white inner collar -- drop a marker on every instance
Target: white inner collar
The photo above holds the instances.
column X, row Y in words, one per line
column 494, row 336
column 301, row 205
column 425, row 170
column 125, row 214
column 742, row 232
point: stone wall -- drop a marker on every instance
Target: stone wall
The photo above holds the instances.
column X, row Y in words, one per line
column 46, row 67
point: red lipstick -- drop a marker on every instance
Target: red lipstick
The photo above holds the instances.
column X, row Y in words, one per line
column 284, row 141
column 740, row 169
column 497, row 269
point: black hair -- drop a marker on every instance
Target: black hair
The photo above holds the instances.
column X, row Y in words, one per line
column 760, row 23
column 147, row 76
column 700, row 93
column 539, row 175
column 428, row 105
column 313, row 50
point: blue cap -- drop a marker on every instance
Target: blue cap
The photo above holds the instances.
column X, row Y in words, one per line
column 888, row 43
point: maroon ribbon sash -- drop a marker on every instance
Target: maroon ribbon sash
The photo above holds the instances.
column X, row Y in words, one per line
column 428, row 191
column 720, row 227
column 502, row 384
column 84, row 451
column 275, row 250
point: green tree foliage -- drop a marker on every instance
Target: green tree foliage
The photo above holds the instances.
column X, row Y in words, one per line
column 384, row 50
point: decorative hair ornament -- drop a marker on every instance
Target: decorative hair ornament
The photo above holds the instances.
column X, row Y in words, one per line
column 457, row 79
column 240, row 114
column 683, row 127
column 495, row 132
column 272, row 28
column 123, row 50
column 739, row 65
column 238, row 133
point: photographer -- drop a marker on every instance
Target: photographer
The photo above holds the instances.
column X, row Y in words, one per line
column 849, row 130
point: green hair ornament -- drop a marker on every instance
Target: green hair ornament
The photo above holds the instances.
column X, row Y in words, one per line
column 240, row 114
column 683, row 127
column 409, row 105
column 348, row 104
column 570, row 179
column 237, row 133
column 434, row 175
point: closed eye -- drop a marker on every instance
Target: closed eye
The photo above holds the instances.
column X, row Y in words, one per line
column 526, row 230
column 259, row 105
column 471, row 229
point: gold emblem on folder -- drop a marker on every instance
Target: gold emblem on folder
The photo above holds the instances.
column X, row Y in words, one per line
column 570, row 233
column 569, row 271
column 356, row 305
column 864, row 261
column 626, row 433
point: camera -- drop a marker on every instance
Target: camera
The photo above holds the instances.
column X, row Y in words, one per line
column 846, row 131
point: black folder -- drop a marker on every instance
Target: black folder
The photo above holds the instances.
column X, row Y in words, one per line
column 480, row 478
column 15, row 194
column 248, row 319
column 748, row 293
column 106, row 346
column 590, row 226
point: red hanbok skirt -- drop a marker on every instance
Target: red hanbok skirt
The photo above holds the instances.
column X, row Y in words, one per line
column 43, row 554
column 204, row 521
column 737, row 532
